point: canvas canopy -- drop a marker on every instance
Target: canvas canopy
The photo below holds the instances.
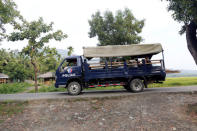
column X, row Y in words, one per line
column 122, row 50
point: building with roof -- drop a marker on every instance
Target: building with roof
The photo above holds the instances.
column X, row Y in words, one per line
column 3, row 78
column 47, row 78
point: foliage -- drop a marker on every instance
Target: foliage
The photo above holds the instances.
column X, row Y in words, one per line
column 15, row 68
column 18, row 66
column 15, row 65
column 13, row 87
column 38, row 34
column 184, row 11
column 49, row 60
column 121, row 29
column 8, row 14
column 70, row 50
column 15, row 71
column 4, row 59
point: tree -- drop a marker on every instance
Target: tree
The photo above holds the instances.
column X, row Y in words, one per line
column 15, row 65
column 37, row 33
column 4, row 59
column 121, row 29
column 185, row 12
column 70, row 50
column 15, row 70
column 49, row 60
column 8, row 14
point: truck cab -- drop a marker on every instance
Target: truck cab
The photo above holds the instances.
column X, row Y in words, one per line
column 69, row 69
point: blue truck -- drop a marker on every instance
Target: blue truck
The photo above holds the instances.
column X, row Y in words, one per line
column 129, row 66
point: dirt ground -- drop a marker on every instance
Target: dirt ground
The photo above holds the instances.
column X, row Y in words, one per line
column 140, row 112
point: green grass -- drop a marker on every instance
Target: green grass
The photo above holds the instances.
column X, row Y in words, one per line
column 45, row 88
column 177, row 81
column 170, row 82
column 9, row 108
column 10, row 88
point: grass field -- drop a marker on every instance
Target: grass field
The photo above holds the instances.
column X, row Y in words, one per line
column 170, row 82
column 176, row 81
column 13, row 87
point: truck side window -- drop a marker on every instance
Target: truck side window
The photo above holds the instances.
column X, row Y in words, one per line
column 68, row 63
column 63, row 66
column 72, row 62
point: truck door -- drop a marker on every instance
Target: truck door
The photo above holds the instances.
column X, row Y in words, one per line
column 69, row 68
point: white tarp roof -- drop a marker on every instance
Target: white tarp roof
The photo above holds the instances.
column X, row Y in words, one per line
column 122, row 50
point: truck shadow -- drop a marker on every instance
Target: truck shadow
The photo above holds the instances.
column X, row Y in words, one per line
column 114, row 91
column 104, row 91
column 92, row 92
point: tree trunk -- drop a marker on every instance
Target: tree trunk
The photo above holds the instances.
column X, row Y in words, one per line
column 35, row 73
column 192, row 40
column 36, row 82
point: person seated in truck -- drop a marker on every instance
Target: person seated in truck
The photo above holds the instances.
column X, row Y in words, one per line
column 133, row 63
column 72, row 63
column 69, row 63
column 147, row 60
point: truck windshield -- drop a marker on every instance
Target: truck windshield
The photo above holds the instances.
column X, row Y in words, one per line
column 68, row 63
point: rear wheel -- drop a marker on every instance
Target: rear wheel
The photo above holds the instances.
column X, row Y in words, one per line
column 136, row 85
column 74, row 88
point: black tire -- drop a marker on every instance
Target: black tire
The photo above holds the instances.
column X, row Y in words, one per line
column 74, row 88
column 136, row 85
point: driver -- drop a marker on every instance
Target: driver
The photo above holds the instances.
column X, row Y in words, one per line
column 72, row 63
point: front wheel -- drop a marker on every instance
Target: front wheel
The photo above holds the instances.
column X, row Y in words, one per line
column 74, row 88
column 136, row 85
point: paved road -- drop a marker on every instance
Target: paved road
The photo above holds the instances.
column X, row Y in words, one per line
column 93, row 94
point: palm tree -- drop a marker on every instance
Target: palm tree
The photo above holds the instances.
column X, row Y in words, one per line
column 70, row 50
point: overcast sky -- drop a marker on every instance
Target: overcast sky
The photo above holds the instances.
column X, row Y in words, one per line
column 71, row 16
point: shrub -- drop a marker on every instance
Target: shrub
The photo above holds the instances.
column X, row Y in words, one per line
column 13, row 87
